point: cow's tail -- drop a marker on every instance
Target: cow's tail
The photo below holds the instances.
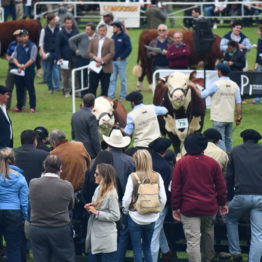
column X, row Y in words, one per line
column 137, row 69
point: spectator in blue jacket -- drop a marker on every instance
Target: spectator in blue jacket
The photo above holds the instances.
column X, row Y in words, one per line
column 13, row 204
column 122, row 51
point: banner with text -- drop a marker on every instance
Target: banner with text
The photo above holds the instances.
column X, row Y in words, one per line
column 127, row 12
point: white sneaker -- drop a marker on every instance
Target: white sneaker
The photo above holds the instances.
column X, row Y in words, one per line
column 67, row 95
column 215, row 26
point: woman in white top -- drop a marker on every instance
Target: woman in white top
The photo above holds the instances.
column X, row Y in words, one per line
column 141, row 226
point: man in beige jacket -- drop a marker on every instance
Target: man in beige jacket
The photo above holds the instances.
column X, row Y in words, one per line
column 101, row 50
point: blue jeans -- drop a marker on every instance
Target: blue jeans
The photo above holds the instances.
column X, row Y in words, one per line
column 239, row 205
column 138, row 232
column 11, row 229
column 119, row 68
column 9, row 10
column 208, row 10
column 106, row 257
column 159, row 237
column 225, row 129
column 122, row 242
column 52, row 73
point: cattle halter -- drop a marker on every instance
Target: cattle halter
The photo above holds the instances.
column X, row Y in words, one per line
column 184, row 91
column 104, row 114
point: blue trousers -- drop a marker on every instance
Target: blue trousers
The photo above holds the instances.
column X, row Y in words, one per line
column 11, row 229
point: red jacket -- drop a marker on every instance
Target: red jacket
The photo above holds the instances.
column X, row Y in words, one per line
column 178, row 57
column 198, row 186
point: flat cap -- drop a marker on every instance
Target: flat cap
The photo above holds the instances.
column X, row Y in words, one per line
column 23, row 32
column 117, row 24
column 160, row 144
column 195, row 143
column 250, row 134
column 17, row 32
column 3, row 90
column 108, row 13
column 212, row 133
column 41, row 131
column 134, row 96
column 223, row 68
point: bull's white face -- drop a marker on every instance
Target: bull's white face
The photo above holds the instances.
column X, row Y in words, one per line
column 103, row 110
column 178, row 91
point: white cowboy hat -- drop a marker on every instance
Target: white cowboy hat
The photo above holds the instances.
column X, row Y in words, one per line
column 116, row 139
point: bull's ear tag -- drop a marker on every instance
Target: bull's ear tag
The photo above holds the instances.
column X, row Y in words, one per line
column 181, row 123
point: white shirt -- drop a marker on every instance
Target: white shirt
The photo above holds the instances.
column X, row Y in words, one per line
column 3, row 107
column 50, row 175
column 100, row 45
column 146, row 218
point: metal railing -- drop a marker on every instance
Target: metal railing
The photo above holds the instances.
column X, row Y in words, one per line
column 180, row 7
column 2, row 14
column 81, row 83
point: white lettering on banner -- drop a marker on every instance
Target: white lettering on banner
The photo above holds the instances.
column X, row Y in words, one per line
column 257, row 87
column 244, row 82
column 181, row 123
column 129, row 13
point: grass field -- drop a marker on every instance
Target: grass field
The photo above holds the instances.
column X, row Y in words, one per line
column 54, row 111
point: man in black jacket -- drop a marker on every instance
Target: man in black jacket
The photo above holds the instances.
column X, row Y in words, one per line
column 244, row 181
column 6, row 134
column 234, row 57
column 65, row 53
column 28, row 157
column 84, row 126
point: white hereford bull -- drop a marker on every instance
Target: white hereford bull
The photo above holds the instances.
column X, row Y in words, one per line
column 186, row 110
column 108, row 112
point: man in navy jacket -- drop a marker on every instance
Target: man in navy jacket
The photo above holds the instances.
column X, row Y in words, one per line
column 122, row 51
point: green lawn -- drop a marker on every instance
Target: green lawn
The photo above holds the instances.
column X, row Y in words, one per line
column 54, row 111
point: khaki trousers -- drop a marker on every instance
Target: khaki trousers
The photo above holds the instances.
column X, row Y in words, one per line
column 19, row 10
column 199, row 233
column 66, row 80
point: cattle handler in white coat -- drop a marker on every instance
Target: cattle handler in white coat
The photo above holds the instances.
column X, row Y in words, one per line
column 142, row 120
column 225, row 96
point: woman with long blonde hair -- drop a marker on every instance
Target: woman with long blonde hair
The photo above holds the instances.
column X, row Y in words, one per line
column 101, row 239
column 141, row 225
column 13, row 203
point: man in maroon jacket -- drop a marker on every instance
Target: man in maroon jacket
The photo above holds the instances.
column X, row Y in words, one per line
column 178, row 53
column 198, row 193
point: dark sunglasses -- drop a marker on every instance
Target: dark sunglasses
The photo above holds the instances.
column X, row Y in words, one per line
column 162, row 30
column 96, row 174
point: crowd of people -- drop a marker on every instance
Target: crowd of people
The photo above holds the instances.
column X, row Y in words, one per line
column 123, row 193
column 127, row 192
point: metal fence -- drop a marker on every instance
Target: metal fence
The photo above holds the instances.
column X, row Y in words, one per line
column 81, row 83
column 2, row 14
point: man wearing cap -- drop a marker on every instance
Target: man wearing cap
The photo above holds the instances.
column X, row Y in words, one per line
column 198, row 192
column 6, row 133
column 10, row 78
column 122, row 51
column 84, row 126
column 124, row 166
column 24, row 58
column 108, row 19
column 42, row 138
column 213, row 150
column 225, row 96
column 158, row 148
column 244, row 183
column 142, row 120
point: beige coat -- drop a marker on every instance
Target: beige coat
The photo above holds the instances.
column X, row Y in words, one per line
column 75, row 162
column 108, row 52
column 101, row 234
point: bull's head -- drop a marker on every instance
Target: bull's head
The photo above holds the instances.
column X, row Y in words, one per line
column 178, row 90
column 103, row 110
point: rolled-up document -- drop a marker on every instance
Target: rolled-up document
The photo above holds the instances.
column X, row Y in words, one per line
column 16, row 72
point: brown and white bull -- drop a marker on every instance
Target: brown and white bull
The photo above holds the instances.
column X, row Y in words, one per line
column 186, row 110
column 108, row 112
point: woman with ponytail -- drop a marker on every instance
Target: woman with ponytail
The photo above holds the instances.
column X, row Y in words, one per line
column 101, row 239
column 13, row 204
